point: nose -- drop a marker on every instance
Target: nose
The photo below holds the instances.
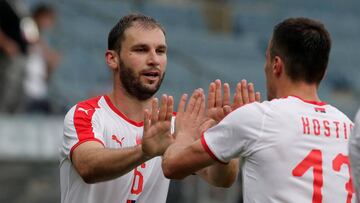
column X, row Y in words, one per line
column 153, row 58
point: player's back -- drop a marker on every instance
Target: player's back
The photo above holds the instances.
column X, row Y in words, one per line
column 300, row 154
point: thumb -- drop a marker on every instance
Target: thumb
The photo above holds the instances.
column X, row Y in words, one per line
column 146, row 120
column 227, row 109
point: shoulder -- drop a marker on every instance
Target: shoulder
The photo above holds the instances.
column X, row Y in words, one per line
column 253, row 109
column 335, row 112
column 91, row 103
column 249, row 116
column 83, row 109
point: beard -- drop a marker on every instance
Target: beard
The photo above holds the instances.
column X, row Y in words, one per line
column 133, row 85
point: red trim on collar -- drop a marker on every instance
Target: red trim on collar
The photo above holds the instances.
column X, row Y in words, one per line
column 118, row 112
column 318, row 103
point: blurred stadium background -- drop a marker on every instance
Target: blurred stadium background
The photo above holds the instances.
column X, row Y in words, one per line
column 207, row 39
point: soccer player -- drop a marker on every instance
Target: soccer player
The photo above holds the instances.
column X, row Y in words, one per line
column 108, row 154
column 294, row 146
column 354, row 153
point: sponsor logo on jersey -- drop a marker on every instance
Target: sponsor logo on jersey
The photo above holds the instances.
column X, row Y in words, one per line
column 84, row 110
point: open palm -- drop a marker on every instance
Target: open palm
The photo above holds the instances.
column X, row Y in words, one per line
column 218, row 105
column 157, row 127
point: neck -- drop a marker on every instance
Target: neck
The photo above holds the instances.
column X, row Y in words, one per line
column 300, row 89
column 130, row 106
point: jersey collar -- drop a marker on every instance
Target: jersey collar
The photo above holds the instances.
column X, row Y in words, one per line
column 118, row 112
column 318, row 103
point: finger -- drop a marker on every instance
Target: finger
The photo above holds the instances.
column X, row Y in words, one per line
column 211, row 96
column 258, row 97
column 198, row 102
column 207, row 124
column 227, row 110
column 192, row 101
column 182, row 103
column 226, row 99
column 251, row 92
column 154, row 111
column 244, row 92
column 202, row 107
column 163, row 107
column 146, row 120
column 238, row 97
column 170, row 108
column 218, row 96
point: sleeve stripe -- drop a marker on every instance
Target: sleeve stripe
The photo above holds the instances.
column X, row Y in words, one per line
column 83, row 116
column 208, row 150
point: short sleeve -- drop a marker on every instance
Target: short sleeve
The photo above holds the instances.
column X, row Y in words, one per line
column 81, row 124
column 237, row 134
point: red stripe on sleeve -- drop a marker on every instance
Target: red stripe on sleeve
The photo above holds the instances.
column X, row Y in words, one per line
column 83, row 115
column 208, row 150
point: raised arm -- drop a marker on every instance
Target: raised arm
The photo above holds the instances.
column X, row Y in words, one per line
column 95, row 163
column 182, row 159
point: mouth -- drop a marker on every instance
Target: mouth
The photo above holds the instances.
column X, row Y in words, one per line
column 152, row 74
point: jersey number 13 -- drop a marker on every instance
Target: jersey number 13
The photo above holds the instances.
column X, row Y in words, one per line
column 314, row 159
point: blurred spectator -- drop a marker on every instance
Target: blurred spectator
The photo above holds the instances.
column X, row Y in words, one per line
column 218, row 14
column 42, row 61
column 15, row 32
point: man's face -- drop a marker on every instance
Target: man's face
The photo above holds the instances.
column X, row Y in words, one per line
column 270, row 85
column 142, row 61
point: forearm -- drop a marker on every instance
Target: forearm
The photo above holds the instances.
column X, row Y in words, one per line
column 221, row 175
column 101, row 164
column 180, row 160
column 3, row 39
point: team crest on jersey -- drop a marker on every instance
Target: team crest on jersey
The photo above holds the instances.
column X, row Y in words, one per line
column 320, row 110
column 120, row 142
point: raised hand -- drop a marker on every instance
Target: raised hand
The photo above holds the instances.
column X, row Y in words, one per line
column 218, row 105
column 244, row 94
column 157, row 124
column 189, row 119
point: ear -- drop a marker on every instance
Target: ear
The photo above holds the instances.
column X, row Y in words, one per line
column 112, row 59
column 278, row 66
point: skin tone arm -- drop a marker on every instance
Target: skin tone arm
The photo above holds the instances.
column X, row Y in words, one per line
column 95, row 163
column 8, row 45
column 215, row 173
column 218, row 106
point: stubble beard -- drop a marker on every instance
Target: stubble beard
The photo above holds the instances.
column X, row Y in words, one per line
column 133, row 85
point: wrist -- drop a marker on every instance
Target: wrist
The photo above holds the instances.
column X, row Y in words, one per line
column 145, row 156
column 184, row 139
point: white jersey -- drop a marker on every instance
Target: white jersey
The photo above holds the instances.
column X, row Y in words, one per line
column 293, row 150
column 98, row 120
column 354, row 148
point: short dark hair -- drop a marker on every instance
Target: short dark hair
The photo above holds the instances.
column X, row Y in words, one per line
column 304, row 45
column 116, row 35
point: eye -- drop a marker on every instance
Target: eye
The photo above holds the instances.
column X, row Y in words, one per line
column 140, row 49
column 161, row 51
